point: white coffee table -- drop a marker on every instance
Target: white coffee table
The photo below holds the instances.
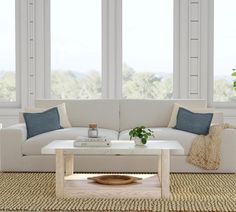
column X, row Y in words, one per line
column 152, row 186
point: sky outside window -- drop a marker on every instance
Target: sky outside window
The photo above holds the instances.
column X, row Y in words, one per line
column 224, row 49
column 76, row 48
column 147, row 48
column 7, row 51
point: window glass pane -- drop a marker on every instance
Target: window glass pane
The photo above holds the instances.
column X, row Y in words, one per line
column 224, row 50
column 147, row 49
column 75, row 49
column 7, row 51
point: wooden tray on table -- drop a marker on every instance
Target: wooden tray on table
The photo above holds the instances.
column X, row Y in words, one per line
column 115, row 179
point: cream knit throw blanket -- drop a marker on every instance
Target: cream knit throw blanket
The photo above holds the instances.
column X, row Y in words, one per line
column 205, row 149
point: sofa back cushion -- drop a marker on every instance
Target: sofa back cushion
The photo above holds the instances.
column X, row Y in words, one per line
column 218, row 117
column 82, row 112
column 197, row 123
column 38, row 123
column 151, row 113
column 64, row 121
column 120, row 114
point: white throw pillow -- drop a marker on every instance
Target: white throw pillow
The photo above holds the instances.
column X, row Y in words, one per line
column 175, row 111
column 64, row 121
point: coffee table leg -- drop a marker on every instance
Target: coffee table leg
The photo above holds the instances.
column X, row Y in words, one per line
column 59, row 173
column 69, row 164
column 165, row 173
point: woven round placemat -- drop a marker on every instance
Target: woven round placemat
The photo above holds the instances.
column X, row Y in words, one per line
column 189, row 192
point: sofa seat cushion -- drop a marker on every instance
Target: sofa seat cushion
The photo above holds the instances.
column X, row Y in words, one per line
column 184, row 138
column 33, row 145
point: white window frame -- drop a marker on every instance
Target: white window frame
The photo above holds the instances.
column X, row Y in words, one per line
column 211, row 102
column 112, row 49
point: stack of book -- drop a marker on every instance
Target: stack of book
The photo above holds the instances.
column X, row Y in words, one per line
column 92, row 142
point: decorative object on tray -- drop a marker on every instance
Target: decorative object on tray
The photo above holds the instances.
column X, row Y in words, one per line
column 114, row 179
column 140, row 135
column 93, row 130
column 92, row 142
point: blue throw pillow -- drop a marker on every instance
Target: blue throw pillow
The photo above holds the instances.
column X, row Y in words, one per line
column 198, row 123
column 37, row 123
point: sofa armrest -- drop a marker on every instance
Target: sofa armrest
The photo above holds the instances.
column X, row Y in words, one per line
column 229, row 135
column 11, row 139
column 228, row 147
column 17, row 129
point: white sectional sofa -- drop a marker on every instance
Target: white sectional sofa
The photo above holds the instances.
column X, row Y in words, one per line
column 114, row 118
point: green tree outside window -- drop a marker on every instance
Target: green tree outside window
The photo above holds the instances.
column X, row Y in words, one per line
column 234, row 74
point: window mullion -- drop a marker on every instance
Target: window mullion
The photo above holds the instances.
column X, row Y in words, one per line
column 112, row 59
column 18, row 49
column 118, row 54
column 176, row 52
column 105, row 50
column 31, row 75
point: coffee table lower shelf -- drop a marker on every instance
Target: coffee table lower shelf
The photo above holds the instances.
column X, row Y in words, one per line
column 77, row 185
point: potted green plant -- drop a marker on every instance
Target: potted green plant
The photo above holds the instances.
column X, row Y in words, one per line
column 140, row 135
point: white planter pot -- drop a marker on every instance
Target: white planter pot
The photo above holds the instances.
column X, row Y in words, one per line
column 138, row 142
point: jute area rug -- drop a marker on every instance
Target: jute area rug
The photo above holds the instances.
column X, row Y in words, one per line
column 189, row 192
